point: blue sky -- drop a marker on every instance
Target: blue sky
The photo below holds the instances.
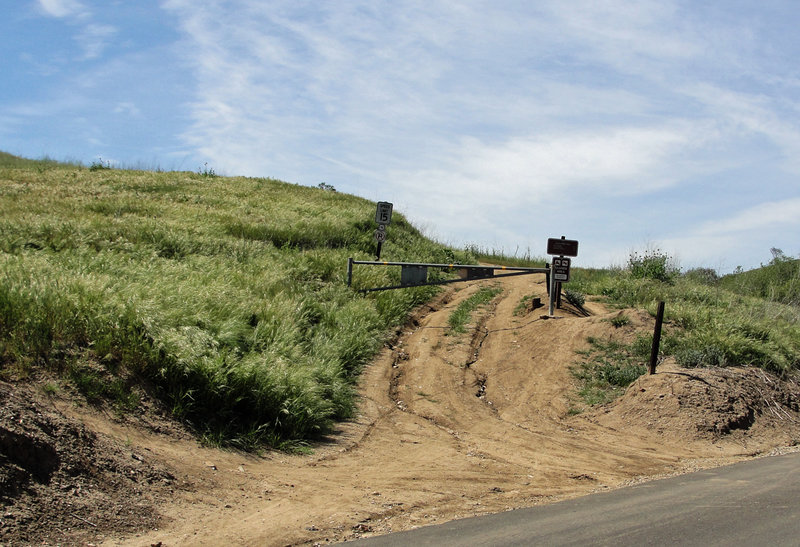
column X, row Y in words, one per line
column 624, row 125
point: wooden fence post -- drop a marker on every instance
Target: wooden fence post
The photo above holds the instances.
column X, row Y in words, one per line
column 656, row 339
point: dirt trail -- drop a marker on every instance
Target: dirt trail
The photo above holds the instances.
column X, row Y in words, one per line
column 458, row 425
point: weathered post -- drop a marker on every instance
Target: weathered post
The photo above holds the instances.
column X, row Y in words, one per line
column 349, row 271
column 656, row 339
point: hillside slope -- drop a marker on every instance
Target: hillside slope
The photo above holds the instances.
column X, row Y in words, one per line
column 223, row 298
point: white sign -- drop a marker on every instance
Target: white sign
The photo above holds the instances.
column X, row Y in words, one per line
column 380, row 235
column 561, row 269
column 384, row 213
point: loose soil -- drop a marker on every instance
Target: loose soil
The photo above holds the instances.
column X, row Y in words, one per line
column 450, row 426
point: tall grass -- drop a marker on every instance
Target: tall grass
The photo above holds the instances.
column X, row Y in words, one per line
column 777, row 281
column 500, row 257
column 708, row 323
column 226, row 295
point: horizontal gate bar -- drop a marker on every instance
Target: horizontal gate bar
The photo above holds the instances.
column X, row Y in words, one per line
column 446, row 281
column 510, row 271
column 452, row 266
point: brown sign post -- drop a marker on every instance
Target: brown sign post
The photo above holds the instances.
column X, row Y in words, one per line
column 559, row 273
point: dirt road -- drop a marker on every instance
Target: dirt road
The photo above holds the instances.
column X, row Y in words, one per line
column 459, row 425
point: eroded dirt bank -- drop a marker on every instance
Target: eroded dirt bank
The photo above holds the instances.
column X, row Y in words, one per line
column 452, row 426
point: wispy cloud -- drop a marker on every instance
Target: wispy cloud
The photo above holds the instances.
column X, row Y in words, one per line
column 784, row 214
column 94, row 38
column 62, row 8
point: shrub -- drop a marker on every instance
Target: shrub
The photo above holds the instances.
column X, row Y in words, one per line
column 704, row 276
column 576, row 298
column 652, row 264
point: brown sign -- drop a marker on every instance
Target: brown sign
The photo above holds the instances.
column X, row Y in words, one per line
column 562, row 247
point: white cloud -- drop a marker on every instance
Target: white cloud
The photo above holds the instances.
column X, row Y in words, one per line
column 741, row 239
column 94, row 38
column 784, row 213
column 127, row 108
column 61, row 8
column 478, row 182
column 777, row 119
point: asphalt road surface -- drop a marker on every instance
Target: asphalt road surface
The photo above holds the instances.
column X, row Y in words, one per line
column 750, row 503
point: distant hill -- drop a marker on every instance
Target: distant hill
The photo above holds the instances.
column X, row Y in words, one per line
column 778, row 281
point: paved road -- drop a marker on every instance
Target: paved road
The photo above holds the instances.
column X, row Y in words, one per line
column 750, row 503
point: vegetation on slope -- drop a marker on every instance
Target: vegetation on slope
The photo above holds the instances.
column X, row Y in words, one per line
column 777, row 281
column 226, row 297
column 744, row 319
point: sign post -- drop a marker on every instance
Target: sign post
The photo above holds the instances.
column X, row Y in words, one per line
column 383, row 216
column 559, row 273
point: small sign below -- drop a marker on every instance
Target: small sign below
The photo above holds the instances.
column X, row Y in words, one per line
column 561, row 269
column 383, row 215
column 562, row 247
column 380, row 234
column 411, row 275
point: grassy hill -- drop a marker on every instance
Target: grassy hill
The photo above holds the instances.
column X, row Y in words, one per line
column 777, row 281
column 223, row 297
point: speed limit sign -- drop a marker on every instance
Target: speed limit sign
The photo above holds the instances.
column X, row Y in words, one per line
column 383, row 214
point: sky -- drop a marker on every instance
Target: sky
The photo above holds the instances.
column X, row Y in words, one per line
column 625, row 125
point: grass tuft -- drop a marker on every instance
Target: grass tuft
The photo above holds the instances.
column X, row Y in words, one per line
column 461, row 315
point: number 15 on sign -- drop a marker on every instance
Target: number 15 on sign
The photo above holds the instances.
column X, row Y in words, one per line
column 384, row 213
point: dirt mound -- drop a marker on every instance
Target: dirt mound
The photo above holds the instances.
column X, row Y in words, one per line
column 62, row 482
column 744, row 405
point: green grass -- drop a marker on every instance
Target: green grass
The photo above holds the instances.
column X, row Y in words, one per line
column 746, row 319
column 608, row 367
column 499, row 257
column 620, row 320
column 226, row 296
column 777, row 281
column 461, row 315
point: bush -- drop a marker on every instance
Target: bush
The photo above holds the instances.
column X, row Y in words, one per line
column 652, row 264
column 576, row 298
column 608, row 367
column 705, row 276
